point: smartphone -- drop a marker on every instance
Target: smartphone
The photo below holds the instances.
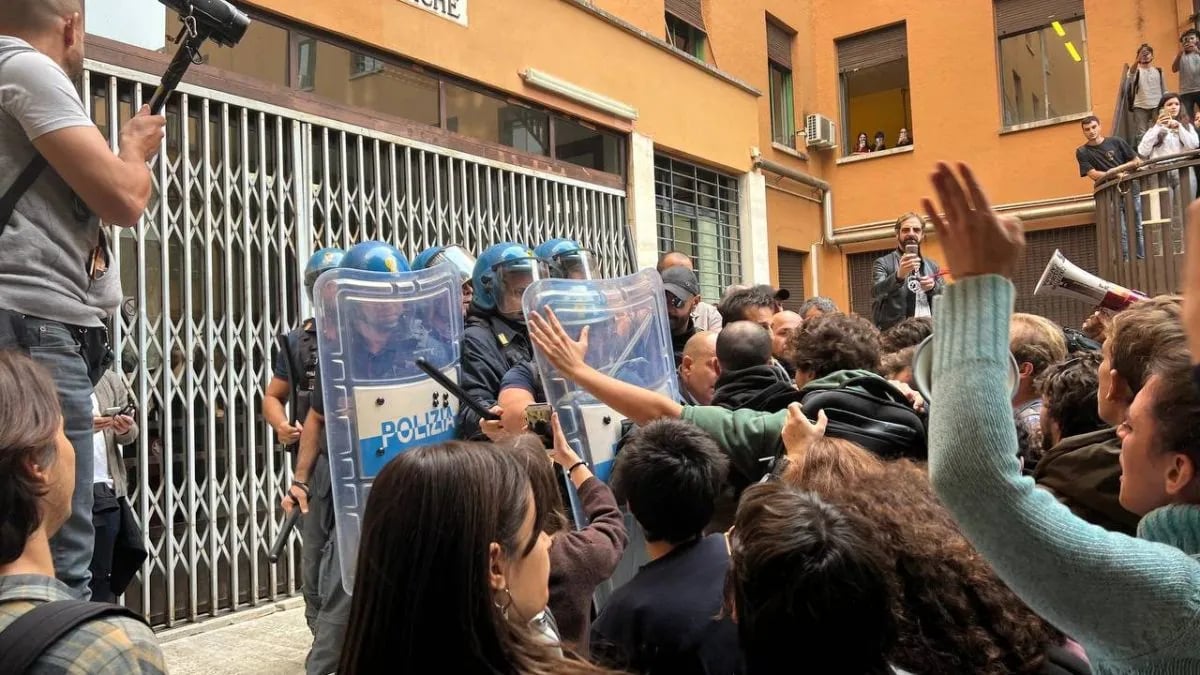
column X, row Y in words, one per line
column 912, row 249
column 537, row 418
column 109, row 412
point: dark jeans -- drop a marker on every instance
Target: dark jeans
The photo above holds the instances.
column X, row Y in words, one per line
column 53, row 346
column 1188, row 102
column 106, row 516
column 327, row 603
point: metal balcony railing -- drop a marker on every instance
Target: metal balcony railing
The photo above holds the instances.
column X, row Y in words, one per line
column 1140, row 218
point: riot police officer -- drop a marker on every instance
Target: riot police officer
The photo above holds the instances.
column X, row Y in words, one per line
column 495, row 338
column 567, row 259
column 388, row 350
column 299, row 359
column 456, row 255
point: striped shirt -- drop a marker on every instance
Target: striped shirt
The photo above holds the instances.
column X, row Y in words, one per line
column 111, row 645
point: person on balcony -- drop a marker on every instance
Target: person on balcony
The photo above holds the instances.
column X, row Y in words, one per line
column 1171, row 134
column 1145, row 91
column 1102, row 157
column 1187, row 64
column 862, row 146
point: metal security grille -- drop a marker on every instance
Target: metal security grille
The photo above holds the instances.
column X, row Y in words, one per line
column 791, row 277
column 242, row 193
column 698, row 215
column 862, row 280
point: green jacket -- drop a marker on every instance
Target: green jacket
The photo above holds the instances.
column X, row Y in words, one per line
column 750, row 438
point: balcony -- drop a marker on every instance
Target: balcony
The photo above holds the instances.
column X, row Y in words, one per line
column 1156, row 195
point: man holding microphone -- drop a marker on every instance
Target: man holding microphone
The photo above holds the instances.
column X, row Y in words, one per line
column 905, row 282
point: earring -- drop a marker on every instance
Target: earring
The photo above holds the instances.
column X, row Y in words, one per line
column 503, row 607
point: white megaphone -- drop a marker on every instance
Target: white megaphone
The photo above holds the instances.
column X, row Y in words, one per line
column 1064, row 278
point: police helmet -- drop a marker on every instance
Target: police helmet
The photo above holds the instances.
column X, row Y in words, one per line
column 375, row 256
column 488, row 276
column 324, row 259
column 454, row 254
column 566, row 258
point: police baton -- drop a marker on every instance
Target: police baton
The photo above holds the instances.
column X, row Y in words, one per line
column 285, row 531
column 453, row 387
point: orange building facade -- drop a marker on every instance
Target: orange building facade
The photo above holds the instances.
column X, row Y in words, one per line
column 986, row 81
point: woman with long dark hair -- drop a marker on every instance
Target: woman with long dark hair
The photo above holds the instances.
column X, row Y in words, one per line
column 1172, row 134
column 863, row 145
column 452, row 566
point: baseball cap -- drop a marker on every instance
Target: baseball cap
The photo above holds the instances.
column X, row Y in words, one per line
column 681, row 282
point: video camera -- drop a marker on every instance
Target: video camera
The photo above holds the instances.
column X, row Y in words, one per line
column 214, row 20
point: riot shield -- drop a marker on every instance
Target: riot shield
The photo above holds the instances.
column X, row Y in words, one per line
column 371, row 328
column 629, row 338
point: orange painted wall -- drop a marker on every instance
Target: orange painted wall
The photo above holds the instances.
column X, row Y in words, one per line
column 561, row 39
column 956, row 107
column 645, row 14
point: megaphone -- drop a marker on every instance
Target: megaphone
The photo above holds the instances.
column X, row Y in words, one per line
column 1064, row 278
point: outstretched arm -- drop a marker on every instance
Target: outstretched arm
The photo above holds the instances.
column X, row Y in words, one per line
column 640, row 405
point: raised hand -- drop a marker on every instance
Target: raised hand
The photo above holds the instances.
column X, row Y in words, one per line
column 565, row 354
column 975, row 238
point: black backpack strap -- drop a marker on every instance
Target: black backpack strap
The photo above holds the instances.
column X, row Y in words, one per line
column 879, row 388
column 8, row 203
column 35, row 631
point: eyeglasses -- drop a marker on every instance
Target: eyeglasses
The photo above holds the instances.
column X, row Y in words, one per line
column 674, row 301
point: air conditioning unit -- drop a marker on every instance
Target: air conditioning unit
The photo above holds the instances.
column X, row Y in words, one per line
column 820, row 132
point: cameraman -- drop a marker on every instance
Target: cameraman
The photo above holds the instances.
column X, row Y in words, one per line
column 56, row 292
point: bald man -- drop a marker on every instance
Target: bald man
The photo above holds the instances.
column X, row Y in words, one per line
column 56, row 291
column 699, row 371
column 782, row 325
column 705, row 317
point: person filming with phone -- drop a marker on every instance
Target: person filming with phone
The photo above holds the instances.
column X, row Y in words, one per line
column 905, row 281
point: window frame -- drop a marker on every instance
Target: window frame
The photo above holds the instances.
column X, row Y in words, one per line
column 1042, row 93
column 787, row 135
column 698, row 39
column 849, row 136
column 719, row 219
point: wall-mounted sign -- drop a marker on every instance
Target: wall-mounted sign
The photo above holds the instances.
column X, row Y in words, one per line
column 454, row 10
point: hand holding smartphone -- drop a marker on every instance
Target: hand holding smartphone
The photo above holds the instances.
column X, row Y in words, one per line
column 537, row 419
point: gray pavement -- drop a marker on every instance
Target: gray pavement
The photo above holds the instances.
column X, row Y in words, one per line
column 271, row 640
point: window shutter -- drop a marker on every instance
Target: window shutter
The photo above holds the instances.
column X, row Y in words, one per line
column 1020, row 16
column 791, row 277
column 779, row 44
column 883, row 45
column 687, row 11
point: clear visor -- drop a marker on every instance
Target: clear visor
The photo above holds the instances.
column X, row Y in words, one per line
column 458, row 256
column 512, row 278
column 574, row 265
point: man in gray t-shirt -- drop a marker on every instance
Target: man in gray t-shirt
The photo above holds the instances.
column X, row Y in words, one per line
column 56, row 291
column 1187, row 64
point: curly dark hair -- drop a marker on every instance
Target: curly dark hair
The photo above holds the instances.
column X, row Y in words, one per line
column 1068, row 391
column 831, row 342
column 908, row 333
column 955, row 615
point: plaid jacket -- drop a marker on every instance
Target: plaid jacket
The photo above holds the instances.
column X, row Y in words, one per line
column 116, row 646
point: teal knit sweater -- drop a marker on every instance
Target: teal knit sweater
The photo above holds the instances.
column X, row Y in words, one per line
column 1134, row 604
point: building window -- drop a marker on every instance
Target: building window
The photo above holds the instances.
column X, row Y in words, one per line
column 306, row 59
column 338, row 71
column 1042, row 46
column 873, row 69
column 491, row 118
column 589, row 147
column 697, row 212
column 779, row 65
column 362, row 64
column 685, row 27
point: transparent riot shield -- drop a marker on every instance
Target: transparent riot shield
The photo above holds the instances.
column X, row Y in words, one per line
column 371, row 329
column 629, row 338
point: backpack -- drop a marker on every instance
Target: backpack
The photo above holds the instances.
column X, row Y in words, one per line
column 869, row 411
column 24, row 641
